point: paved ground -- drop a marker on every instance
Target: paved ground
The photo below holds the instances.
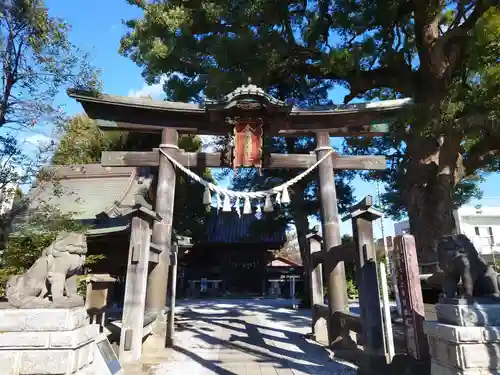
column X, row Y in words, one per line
column 246, row 337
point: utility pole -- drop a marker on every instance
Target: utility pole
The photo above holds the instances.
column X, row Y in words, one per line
column 386, row 253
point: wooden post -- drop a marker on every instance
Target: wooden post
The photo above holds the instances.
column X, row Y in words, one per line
column 171, row 312
column 410, row 291
column 362, row 216
column 337, row 288
column 162, row 232
column 319, row 325
column 135, row 289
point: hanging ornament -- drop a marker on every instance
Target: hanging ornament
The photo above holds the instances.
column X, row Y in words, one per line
column 237, row 206
column 278, row 198
column 207, row 197
column 247, row 208
column 258, row 212
column 285, row 198
column 227, row 204
column 268, row 205
column 219, row 202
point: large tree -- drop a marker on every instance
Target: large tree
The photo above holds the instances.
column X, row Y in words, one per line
column 443, row 54
column 37, row 63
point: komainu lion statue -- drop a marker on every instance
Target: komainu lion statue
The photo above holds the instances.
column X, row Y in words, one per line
column 52, row 279
column 460, row 261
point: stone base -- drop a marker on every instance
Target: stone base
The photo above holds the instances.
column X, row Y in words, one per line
column 439, row 369
column 469, row 315
column 42, row 341
column 463, row 350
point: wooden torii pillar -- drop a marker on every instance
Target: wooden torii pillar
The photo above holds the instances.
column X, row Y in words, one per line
column 158, row 279
column 133, row 317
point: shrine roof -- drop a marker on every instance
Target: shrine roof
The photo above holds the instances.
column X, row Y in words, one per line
column 88, row 190
column 148, row 115
column 228, row 228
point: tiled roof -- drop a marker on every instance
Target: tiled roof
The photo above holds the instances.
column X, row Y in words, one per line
column 227, row 227
column 88, row 190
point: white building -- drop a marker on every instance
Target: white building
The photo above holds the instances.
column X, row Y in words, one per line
column 481, row 225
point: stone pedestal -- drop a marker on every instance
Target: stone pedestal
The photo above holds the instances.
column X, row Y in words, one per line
column 465, row 340
column 47, row 341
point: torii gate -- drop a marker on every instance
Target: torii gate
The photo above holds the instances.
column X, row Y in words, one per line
column 246, row 103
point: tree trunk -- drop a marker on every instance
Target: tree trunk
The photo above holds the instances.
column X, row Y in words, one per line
column 429, row 197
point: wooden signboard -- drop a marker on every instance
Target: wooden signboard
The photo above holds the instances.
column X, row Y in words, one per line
column 410, row 291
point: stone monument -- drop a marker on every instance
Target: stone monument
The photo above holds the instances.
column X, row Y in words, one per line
column 466, row 337
column 44, row 328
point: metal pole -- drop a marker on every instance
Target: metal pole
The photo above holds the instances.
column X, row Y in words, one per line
column 171, row 312
column 388, row 259
column 389, row 338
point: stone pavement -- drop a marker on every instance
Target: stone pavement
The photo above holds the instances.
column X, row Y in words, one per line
column 245, row 337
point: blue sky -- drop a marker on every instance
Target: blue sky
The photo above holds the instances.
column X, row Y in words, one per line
column 97, row 29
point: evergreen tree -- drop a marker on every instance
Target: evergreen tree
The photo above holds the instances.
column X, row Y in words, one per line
column 442, row 54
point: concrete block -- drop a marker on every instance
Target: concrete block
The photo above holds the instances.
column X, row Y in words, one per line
column 439, row 369
column 40, row 340
column 17, row 320
column 47, row 362
column 464, row 356
column 84, row 356
column 74, row 339
column 8, row 362
column 469, row 315
column 30, row 340
column 460, row 334
column 54, row 361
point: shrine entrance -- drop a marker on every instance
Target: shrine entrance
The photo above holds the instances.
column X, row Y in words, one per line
column 249, row 113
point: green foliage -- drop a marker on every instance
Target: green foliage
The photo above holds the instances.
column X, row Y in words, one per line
column 352, row 290
column 38, row 63
column 82, row 142
column 38, row 60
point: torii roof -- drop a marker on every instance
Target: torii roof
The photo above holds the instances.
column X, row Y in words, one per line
column 148, row 115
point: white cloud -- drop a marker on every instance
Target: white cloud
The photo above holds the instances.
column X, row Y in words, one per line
column 154, row 91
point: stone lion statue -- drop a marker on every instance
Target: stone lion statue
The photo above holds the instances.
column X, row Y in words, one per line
column 52, row 280
column 460, row 261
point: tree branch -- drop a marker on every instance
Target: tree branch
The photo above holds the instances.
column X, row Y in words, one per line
column 360, row 82
column 482, row 154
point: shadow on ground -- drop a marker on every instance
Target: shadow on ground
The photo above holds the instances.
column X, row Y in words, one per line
column 257, row 336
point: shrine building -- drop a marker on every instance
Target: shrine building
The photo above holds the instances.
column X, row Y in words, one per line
column 228, row 260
